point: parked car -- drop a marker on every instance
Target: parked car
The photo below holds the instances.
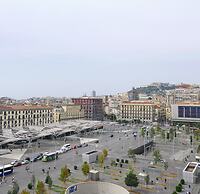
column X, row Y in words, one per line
column 25, row 162
column 85, row 145
column 14, row 162
column 67, row 147
column 18, row 163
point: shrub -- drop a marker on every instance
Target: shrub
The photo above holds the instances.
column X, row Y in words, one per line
column 117, row 159
column 113, row 163
column 121, row 165
column 174, row 192
column 126, row 161
column 30, row 186
column 182, row 181
column 122, row 160
column 178, row 188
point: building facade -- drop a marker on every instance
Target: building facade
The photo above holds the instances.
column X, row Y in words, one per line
column 22, row 116
column 133, row 95
column 93, row 107
column 72, row 111
column 143, row 111
column 185, row 112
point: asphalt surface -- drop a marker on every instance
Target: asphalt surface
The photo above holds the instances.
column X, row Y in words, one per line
column 118, row 146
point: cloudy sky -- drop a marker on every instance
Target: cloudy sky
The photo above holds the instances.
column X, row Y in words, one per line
column 71, row 47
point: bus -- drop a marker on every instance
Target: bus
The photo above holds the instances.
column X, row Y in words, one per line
column 6, row 170
column 50, row 157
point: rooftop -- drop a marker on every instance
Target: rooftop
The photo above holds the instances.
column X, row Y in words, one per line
column 139, row 102
column 24, row 107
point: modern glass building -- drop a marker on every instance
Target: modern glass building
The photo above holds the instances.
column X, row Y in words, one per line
column 186, row 112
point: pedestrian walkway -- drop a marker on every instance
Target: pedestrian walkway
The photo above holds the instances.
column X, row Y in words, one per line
column 16, row 154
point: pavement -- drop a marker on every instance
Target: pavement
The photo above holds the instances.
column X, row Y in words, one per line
column 118, row 146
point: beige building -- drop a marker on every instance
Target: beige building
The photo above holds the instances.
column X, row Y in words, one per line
column 25, row 115
column 67, row 112
column 144, row 111
column 72, row 111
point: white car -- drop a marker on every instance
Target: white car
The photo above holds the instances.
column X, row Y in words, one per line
column 67, row 147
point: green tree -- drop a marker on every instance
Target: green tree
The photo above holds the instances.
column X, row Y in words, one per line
column 105, row 153
column 49, row 181
column 15, row 189
column 25, row 192
column 131, row 154
column 163, row 134
column 85, row 168
column 157, row 156
column 182, row 181
column 147, row 179
column 30, row 186
column 40, row 188
column 152, row 132
column 101, row 160
column 179, row 188
column 142, row 132
column 64, row 174
column 166, row 165
column 131, row 180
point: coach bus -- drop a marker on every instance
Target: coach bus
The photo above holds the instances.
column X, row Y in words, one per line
column 50, row 157
column 6, row 170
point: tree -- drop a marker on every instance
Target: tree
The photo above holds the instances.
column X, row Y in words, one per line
column 174, row 192
column 142, row 132
column 178, row 188
column 85, row 168
column 30, row 186
column 152, row 132
column 157, row 156
column 131, row 180
column 15, row 189
column 64, row 174
column 163, row 134
column 166, row 165
column 25, row 192
column 101, row 160
column 49, row 181
column 40, row 188
column 131, row 154
column 147, row 179
column 182, row 181
column 105, row 153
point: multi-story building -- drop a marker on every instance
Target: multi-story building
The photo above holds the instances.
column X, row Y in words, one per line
column 93, row 107
column 23, row 115
column 72, row 111
column 185, row 112
column 143, row 111
column 133, row 95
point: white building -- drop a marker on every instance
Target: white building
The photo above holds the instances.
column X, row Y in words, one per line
column 191, row 172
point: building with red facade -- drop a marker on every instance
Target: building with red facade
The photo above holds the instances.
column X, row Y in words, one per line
column 93, row 107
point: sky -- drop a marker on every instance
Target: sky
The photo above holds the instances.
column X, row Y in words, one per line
column 71, row 47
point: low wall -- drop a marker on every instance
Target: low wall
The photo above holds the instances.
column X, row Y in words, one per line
column 96, row 188
column 140, row 150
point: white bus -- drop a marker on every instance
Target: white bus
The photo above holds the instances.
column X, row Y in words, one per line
column 6, row 170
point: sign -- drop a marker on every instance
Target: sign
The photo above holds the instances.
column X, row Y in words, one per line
column 72, row 189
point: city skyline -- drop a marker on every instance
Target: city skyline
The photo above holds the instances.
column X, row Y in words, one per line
column 69, row 48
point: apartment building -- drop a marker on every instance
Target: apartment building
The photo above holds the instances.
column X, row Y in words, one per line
column 143, row 111
column 24, row 115
column 93, row 107
column 72, row 111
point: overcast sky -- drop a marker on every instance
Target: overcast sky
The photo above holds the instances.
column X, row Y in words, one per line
column 71, row 47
